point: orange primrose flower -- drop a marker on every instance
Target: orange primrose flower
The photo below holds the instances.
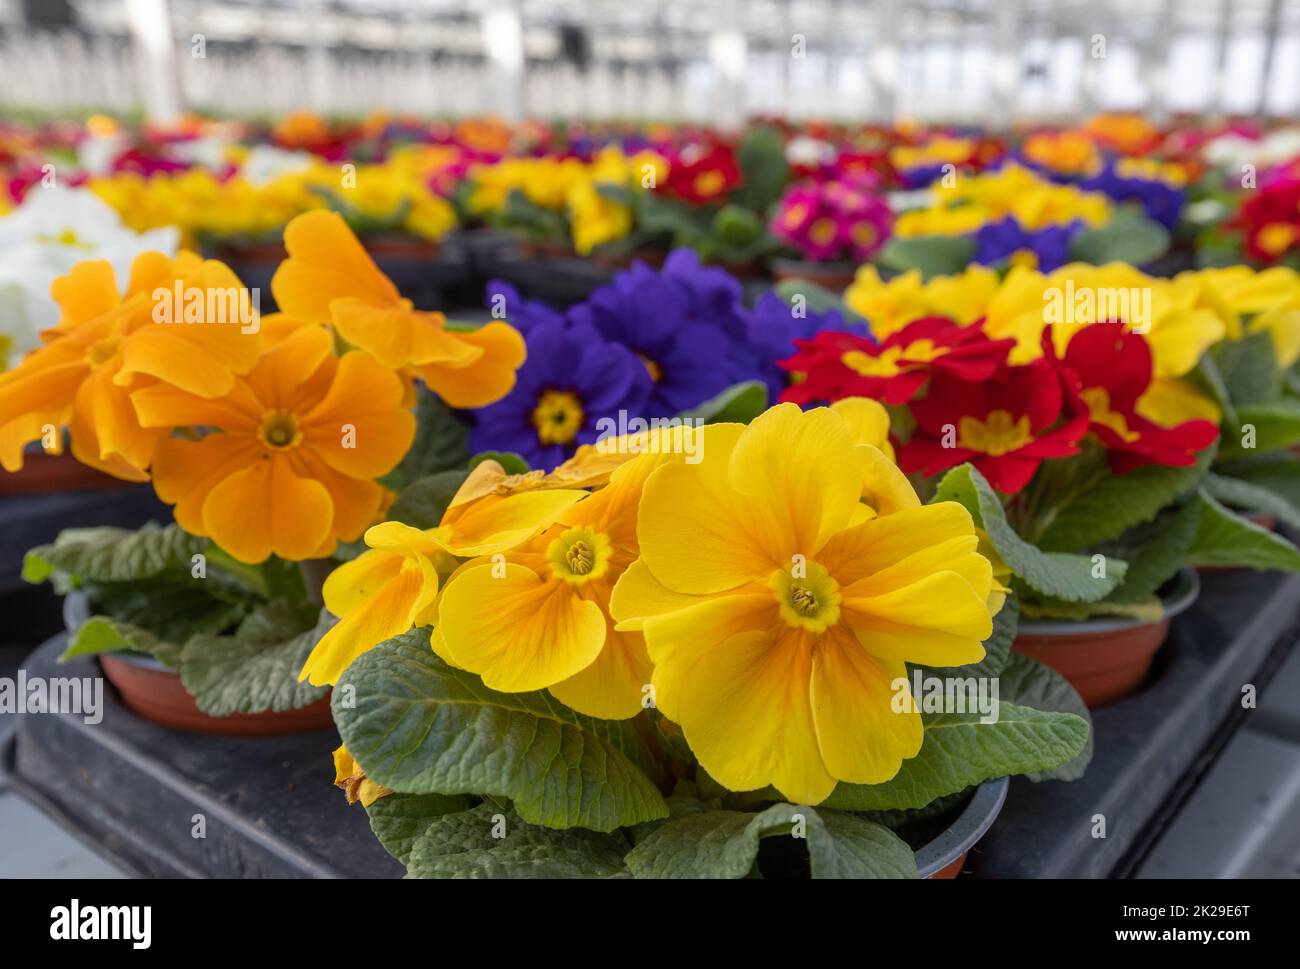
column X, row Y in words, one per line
column 329, row 278
column 108, row 345
column 289, row 465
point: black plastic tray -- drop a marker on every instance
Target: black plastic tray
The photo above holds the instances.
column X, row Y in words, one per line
column 131, row 790
column 1152, row 747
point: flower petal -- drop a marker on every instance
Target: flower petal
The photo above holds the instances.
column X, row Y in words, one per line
column 515, row 630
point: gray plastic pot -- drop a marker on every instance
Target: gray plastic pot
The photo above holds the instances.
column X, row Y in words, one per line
column 942, row 858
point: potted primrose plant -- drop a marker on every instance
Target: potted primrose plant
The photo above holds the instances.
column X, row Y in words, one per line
column 697, row 651
column 1095, row 509
column 274, row 446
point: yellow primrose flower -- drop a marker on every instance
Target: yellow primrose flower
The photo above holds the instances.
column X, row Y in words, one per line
column 1250, row 301
column 392, row 587
column 1079, row 294
column 890, row 306
column 540, row 619
column 968, row 203
column 595, row 219
column 779, row 617
column 349, row 776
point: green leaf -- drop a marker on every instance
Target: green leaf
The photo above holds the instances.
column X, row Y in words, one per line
column 738, row 404
column 510, row 462
column 725, row 844
column 439, row 445
column 109, row 554
column 1207, row 378
column 1068, row 577
column 959, row 752
column 421, row 503
column 421, row 727
column 933, row 255
column 1252, row 498
column 465, row 845
column 1225, row 539
column 1274, row 425
column 398, row 820
column 100, row 634
column 172, row 611
column 1127, row 237
column 1249, row 368
column 817, row 299
column 256, row 669
column 1161, row 550
column 1028, row 683
column 762, row 163
column 1106, row 505
column 1278, row 473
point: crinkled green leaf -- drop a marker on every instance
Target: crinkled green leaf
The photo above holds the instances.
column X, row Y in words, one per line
column 419, row 726
column 465, row 845
column 398, row 820
column 725, row 844
column 1057, row 574
column 959, row 752
column 1107, row 505
column 101, row 634
column 110, row 554
column 256, row 669
column 1249, row 368
column 1028, row 683
column 1155, row 553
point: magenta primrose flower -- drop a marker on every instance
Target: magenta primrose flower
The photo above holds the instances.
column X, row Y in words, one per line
column 836, row 220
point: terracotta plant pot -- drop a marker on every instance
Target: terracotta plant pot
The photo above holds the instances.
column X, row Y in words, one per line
column 943, row 856
column 46, row 474
column 152, row 691
column 270, row 253
column 398, row 246
column 835, row 276
column 654, row 258
column 1105, row 659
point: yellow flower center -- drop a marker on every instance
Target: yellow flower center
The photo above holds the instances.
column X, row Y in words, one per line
column 1276, row 237
column 822, row 231
column 279, row 430
column 996, row 435
column 795, row 215
column 1098, row 401
column 1024, row 257
column 807, row 597
column 886, row 364
column 653, row 369
column 579, row 555
column 557, row 417
column 864, row 234
column 67, row 237
column 710, row 183
column 103, row 351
